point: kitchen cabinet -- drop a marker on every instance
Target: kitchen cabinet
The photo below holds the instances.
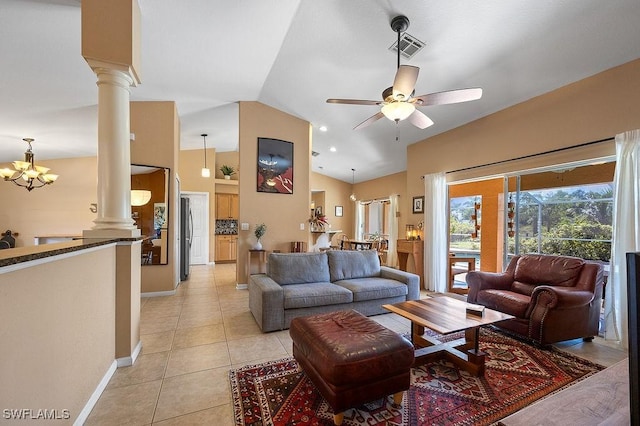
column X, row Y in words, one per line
column 226, row 246
column 227, row 206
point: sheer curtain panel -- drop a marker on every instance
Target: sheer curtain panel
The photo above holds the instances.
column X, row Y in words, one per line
column 436, row 227
column 626, row 226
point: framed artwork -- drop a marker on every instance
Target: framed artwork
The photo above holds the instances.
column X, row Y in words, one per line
column 418, row 204
column 275, row 166
column 338, row 211
column 159, row 216
column 319, row 211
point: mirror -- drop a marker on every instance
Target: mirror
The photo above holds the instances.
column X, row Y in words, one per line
column 152, row 216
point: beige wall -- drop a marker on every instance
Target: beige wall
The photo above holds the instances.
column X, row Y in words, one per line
column 61, row 208
column 282, row 213
column 58, row 330
column 336, row 193
column 231, row 158
column 595, row 108
column 157, row 129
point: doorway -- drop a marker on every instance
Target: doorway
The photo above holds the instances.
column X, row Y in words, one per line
column 199, row 205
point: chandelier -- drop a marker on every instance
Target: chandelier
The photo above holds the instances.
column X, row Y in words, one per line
column 29, row 175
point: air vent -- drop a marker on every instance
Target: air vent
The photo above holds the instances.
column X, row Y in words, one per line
column 314, row 153
column 409, row 46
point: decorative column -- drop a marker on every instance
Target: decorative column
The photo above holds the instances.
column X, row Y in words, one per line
column 111, row 47
column 114, row 158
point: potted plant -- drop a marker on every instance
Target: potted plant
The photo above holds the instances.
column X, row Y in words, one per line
column 259, row 232
column 227, row 171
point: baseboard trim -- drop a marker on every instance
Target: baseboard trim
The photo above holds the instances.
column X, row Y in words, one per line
column 84, row 414
column 158, row 293
column 130, row 360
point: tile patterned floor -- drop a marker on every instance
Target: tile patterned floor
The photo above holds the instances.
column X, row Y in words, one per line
column 192, row 339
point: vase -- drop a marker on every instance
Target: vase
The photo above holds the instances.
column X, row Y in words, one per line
column 257, row 245
column 227, row 177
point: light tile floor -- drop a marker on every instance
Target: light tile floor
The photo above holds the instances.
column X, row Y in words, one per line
column 192, row 339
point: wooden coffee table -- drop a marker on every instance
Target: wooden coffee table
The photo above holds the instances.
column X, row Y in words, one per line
column 447, row 315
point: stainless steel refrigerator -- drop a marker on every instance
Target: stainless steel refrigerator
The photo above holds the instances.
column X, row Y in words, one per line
column 186, row 229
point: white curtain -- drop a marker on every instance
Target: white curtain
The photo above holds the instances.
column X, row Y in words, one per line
column 435, row 232
column 392, row 256
column 359, row 220
column 626, row 226
column 375, row 217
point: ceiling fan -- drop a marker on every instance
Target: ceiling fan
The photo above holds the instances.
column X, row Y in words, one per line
column 399, row 103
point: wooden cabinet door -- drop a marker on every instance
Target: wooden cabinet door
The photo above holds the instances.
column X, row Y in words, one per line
column 223, row 248
column 222, row 206
column 227, row 206
column 234, row 207
column 233, row 246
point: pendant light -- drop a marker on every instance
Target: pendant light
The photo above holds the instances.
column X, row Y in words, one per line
column 352, row 197
column 205, row 171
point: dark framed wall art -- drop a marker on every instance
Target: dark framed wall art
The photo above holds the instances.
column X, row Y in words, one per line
column 275, row 166
column 418, row 204
column 338, row 211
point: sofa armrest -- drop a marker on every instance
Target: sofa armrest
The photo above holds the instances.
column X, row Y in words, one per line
column 478, row 280
column 561, row 297
column 412, row 281
column 552, row 307
column 266, row 302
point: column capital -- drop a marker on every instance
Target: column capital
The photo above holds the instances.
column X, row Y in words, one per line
column 116, row 71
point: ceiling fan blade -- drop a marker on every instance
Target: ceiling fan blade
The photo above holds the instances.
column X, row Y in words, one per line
column 449, row 97
column 418, row 119
column 369, row 120
column 353, row 102
column 405, row 81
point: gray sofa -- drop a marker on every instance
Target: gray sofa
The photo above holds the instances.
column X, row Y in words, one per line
column 301, row 284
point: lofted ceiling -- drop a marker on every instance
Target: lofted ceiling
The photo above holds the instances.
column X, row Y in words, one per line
column 294, row 54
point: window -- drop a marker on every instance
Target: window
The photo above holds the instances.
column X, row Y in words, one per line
column 465, row 226
column 570, row 220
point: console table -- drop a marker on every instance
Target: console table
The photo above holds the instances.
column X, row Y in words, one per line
column 262, row 262
column 415, row 249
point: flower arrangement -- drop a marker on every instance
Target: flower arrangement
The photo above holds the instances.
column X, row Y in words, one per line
column 260, row 230
column 318, row 220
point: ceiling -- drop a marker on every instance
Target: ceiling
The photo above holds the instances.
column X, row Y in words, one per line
column 294, row 54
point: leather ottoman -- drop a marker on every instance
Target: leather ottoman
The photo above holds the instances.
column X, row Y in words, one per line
column 351, row 359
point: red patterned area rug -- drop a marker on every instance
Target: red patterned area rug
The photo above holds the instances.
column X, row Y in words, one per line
column 517, row 374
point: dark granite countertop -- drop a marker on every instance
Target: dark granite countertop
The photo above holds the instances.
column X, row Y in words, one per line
column 25, row 254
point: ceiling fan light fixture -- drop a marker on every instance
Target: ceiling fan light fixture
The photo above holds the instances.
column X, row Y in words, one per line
column 398, row 111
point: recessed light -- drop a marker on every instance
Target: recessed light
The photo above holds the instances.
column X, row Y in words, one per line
column 322, row 128
column 333, row 149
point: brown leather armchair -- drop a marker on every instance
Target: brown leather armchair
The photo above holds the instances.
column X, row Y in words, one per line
column 553, row 298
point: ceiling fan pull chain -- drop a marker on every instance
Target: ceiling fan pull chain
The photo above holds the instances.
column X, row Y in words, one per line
column 397, row 130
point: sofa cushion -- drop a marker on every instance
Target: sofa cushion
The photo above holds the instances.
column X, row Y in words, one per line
column 298, row 268
column 548, row 270
column 348, row 264
column 523, row 288
column 315, row 294
column 509, row 302
column 373, row 288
